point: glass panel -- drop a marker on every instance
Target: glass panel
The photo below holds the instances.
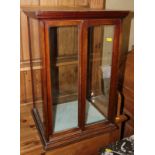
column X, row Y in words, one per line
column 36, row 71
column 64, row 76
column 100, row 46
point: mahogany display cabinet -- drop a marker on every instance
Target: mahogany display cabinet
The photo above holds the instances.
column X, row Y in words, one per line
column 79, row 73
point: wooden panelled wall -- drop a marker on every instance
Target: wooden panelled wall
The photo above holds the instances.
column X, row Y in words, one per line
column 25, row 73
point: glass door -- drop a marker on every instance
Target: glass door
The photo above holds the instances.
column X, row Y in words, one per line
column 63, row 46
column 101, row 81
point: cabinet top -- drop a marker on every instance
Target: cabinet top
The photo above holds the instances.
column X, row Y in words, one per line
column 72, row 13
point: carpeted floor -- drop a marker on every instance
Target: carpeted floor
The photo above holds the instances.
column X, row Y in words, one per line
column 66, row 115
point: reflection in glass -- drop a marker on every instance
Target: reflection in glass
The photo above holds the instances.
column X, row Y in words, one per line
column 98, row 72
column 64, row 76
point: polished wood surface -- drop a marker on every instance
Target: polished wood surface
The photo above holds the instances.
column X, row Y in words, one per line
column 128, row 92
column 67, row 13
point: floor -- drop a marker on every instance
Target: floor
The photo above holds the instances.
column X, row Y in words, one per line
column 29, row 139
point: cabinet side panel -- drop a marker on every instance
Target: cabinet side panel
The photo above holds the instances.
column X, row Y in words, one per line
column 35, row 67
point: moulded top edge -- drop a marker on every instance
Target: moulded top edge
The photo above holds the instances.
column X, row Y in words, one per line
column 71, row 13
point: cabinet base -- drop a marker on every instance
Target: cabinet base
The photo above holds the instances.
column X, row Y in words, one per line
column 39, row 127
column 60, row 139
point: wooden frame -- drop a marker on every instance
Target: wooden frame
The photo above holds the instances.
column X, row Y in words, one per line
column 115, row 54
column 83, row 19
column 49, row 24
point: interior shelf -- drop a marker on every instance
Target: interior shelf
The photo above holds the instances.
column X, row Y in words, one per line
column 71, row 60
column 66, row 60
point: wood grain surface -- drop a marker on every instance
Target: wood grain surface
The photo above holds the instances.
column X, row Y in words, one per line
column 128, row 92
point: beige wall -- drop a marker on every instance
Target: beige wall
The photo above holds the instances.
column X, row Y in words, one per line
column 123, row 5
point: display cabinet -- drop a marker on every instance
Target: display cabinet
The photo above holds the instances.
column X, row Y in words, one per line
column 79, row 73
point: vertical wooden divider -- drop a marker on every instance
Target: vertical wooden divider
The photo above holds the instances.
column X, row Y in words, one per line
column 97, row 46
column 43, row 78
column 48, row 81
column 97, row 41
column 82, row 74
column 115, row 71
